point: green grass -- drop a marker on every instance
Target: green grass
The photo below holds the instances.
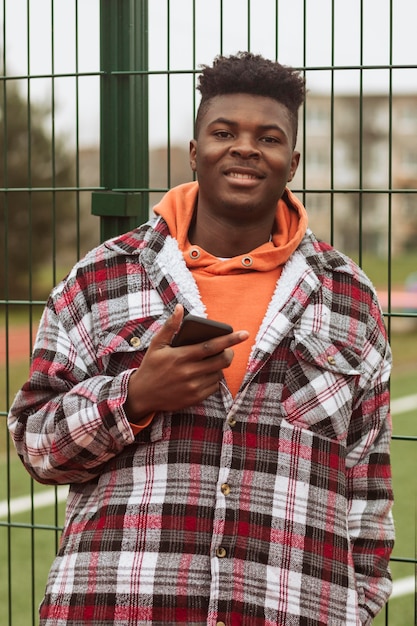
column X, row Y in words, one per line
column 26, row 554
column 20, row 314
column 382, row 273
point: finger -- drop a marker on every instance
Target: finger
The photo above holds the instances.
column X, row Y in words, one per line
column 164, row 336
column 219, row 344
column 212, row 354
column 219, row 361
column 208, row 369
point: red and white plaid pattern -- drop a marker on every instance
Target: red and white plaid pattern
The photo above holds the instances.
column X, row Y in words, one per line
column 272, row 509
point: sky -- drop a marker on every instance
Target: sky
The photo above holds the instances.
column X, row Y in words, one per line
column 41, row 38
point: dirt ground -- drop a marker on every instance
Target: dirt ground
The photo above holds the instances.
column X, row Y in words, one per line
column 19, row 344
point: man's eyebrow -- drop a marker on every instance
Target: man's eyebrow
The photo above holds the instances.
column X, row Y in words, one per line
column 225, row 120
column 273, row 126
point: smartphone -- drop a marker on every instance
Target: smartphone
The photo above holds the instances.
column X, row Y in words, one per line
column 197, row 329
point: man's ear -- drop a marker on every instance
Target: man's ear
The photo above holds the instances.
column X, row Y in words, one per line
column 193, row 155
column 295, row 160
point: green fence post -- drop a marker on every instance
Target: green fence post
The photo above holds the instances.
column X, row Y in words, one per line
column 124, row 144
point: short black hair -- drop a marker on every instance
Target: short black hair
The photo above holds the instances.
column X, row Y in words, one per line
column 251, row 73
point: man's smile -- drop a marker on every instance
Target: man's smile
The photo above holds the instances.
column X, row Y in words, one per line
column 243, row 174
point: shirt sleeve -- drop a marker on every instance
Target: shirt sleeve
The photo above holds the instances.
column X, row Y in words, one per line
column 68, row 420
column 369, row 485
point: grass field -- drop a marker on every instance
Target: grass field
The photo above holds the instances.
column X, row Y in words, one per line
column 28, row 540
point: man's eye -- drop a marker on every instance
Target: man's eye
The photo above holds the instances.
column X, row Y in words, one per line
column 270, row 139
column 224, row 134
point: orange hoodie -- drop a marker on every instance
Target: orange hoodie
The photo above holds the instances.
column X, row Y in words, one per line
column 235, row 290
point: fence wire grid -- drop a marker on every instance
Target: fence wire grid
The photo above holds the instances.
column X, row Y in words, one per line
column 97, row 103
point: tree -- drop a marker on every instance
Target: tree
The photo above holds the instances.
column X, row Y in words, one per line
column 35, row 204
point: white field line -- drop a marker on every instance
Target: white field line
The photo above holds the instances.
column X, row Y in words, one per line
column 402, row 587
column 24, row 503
column 403, row 405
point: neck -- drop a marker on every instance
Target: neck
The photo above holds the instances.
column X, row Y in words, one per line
column 228, row 240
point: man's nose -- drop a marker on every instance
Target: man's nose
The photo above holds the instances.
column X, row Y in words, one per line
column 245, row 146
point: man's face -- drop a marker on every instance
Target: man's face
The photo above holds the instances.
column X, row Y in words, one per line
column 243, row 156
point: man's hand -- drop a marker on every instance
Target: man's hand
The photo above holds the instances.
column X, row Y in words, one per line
column 170, row 379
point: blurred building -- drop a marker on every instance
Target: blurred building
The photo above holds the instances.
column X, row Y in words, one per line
column 359, row 169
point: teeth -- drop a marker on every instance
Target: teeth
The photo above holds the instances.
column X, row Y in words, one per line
column 245, row 176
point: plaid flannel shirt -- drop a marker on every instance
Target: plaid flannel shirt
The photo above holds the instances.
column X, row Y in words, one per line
column 273, row 508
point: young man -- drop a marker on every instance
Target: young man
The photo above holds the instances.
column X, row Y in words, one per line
column 243, row 480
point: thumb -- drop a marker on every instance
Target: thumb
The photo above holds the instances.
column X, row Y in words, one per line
column 164, row 336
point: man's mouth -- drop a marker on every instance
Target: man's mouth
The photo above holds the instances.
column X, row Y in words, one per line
column 243, row 173
column 242, row 176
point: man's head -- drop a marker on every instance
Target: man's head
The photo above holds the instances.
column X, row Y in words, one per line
column 248, row 73
column 243, row 151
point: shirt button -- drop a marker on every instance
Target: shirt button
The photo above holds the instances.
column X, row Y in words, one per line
column 221, row 552
column 135, row 342
column 232, row 422
column 225, row 489
column 331, row 360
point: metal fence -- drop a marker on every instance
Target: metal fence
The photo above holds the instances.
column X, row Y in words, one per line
column 97, row 102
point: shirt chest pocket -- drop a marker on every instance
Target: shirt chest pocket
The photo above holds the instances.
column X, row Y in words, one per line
column 320, row 384
column 123, row 347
